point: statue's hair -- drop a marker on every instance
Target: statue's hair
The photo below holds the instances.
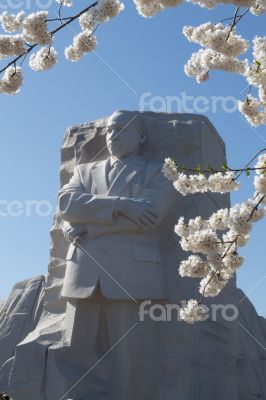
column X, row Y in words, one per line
column 132, row 115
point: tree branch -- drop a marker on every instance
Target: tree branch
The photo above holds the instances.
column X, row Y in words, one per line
column 52, row 33
column 233, row 23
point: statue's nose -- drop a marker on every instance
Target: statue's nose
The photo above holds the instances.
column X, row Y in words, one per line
column 115, row 136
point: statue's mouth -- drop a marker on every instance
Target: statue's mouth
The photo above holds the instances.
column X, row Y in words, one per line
column 113, row 144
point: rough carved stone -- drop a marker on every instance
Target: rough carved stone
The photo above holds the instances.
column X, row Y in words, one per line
column 204, row 361
column 19, row 316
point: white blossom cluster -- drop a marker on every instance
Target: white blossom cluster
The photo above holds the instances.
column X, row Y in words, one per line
column 221, row 48
column 12, row 22
column 256, row 73
column 103, row 12
column 170, row 170
column 254, row 109
column 261, row 164
column 194, row 267
column 204, row 3
column 215, row 37
column 259, row 7
column 221, row 44
column 216, row 253
column 34, row 26
column 205, row 60
column 35, row 29
column 11, row 81
column 220, row 51
column 11, row 45
column 89, row 20
column 260, row 178
column 262, row 95
column 85, row 41
column 107, row 9
column 44, row 59
column 190, row 184
column 253, row 4
column 66, row 3
column 149, row 8
column 192, row 312
column 214, row 242
column 259, row 55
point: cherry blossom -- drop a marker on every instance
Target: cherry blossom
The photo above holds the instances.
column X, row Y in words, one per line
column 193, row 312
column 44, row 59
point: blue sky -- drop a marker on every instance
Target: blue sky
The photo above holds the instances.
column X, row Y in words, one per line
column 134, row 56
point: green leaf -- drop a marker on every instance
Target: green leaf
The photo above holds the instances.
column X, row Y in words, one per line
column 258, row 66
column 225, row 166
column 198, row 169
column 210, row 168
column 247, row 171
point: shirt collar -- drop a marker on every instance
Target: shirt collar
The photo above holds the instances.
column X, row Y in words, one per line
column 124, row 161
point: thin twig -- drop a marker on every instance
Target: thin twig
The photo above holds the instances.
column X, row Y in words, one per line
column 240, row 170
column 60, row 9
column 246, row 166
column 203, row 292
column 232, row 242
column 23, row 59
column 238, row 18
column 233, row 23
column 243, row 15
column 59, row 28
column 52, row 33
column 57, row 19
column 255, row 208
column 19, row 57
column 215, row 171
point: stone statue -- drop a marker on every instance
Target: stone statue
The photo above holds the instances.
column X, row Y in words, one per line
column 115, row 208
column 76, row 334
column 115, row 211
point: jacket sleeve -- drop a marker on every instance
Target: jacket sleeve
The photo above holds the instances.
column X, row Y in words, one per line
column 77, row 206
column 159, row 191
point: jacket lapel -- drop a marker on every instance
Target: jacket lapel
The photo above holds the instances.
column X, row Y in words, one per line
column 127, row 173
column 99, row 175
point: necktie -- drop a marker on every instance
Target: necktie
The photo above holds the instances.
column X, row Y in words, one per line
column 114, row 171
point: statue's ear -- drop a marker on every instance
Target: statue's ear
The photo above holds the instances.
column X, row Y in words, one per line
column 143, row 136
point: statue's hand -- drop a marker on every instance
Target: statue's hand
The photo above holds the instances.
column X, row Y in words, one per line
column 143, row 213
column 74, row 232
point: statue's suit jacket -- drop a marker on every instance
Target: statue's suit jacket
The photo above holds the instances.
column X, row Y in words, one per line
column 124, row 259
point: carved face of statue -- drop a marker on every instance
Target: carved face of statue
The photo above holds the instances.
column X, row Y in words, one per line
column 125, row 134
